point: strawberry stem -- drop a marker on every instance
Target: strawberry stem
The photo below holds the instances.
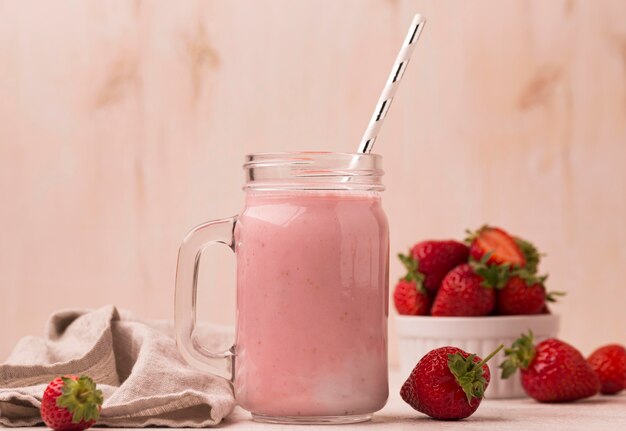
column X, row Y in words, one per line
column 469, row 375
column 490, row 355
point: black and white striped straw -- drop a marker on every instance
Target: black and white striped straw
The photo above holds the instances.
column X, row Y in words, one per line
column 386, row 97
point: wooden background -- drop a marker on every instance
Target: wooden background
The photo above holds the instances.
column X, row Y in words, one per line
column 125, row 123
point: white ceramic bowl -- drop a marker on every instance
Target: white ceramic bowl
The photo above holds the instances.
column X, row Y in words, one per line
column 418, row 335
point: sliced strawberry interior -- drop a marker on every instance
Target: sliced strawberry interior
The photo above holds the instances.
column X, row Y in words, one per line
column 502, row 245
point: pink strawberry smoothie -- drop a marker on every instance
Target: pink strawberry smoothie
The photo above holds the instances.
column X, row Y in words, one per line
column 312, row 287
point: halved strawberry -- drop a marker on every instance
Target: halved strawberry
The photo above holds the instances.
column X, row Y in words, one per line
column 501, row 245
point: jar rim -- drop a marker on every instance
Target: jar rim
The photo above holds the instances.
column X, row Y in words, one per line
column 342, row 153
column 279, row 155
column 313, row 170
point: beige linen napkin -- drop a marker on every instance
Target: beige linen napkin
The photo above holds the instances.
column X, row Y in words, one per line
column 136, row 364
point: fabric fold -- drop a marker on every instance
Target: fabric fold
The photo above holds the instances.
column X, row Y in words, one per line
column 136, row 364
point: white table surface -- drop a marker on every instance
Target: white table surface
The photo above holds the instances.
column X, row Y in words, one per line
column 598, row 413
column 605, row 413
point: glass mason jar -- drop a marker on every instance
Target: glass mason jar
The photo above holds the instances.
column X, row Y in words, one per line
column 312, row 250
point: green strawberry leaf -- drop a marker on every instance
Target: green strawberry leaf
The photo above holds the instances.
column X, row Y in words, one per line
column 552, row 296
column 531, row 254
column 412, row 268
column 81, row 398
column 470, row 375
column 471, row 235
column 519, row 355
column 529, row 277
column 493, row 275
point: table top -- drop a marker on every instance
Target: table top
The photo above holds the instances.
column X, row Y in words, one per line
column 600, row 412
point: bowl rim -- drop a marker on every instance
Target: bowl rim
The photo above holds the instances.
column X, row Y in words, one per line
column 483, row 327
column 478, row 319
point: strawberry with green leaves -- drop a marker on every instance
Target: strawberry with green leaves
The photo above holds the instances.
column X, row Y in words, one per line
column 431, row 260
column 551, row 371
column 71, row 403
column 524, row 293
column 410, row 298
column 447, row 383
column 470, row 289
column 524, row 290
column 521, row 297
column 503, row 248
column 409, row 295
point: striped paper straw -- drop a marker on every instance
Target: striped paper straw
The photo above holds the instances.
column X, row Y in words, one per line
column 382, row 107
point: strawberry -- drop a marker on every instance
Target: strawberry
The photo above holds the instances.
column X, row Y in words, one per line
column 462, row 294
column 524, row 294
column 410, row 299
column 447, row 383
column 552, row 371
column 468, row 290
column 520, row 297
column 503, row 247
column 525, row 291
column 609, row 364
column 71, row 403
column 432, row 260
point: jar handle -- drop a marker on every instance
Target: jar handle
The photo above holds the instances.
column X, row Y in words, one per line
column 202, row 236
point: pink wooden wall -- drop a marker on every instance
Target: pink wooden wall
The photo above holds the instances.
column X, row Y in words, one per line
column 124, row 123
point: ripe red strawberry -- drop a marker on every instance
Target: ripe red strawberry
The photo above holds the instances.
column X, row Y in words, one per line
column 71, row 403
column 520, row 297
column 468, row 290
column 552, row 371
column 609, row 364
column 409, row 299
column 447, row 383
column 462, row 294
column 432, row 260
column 501, row 245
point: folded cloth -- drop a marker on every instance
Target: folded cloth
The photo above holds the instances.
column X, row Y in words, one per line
column 136, row 364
